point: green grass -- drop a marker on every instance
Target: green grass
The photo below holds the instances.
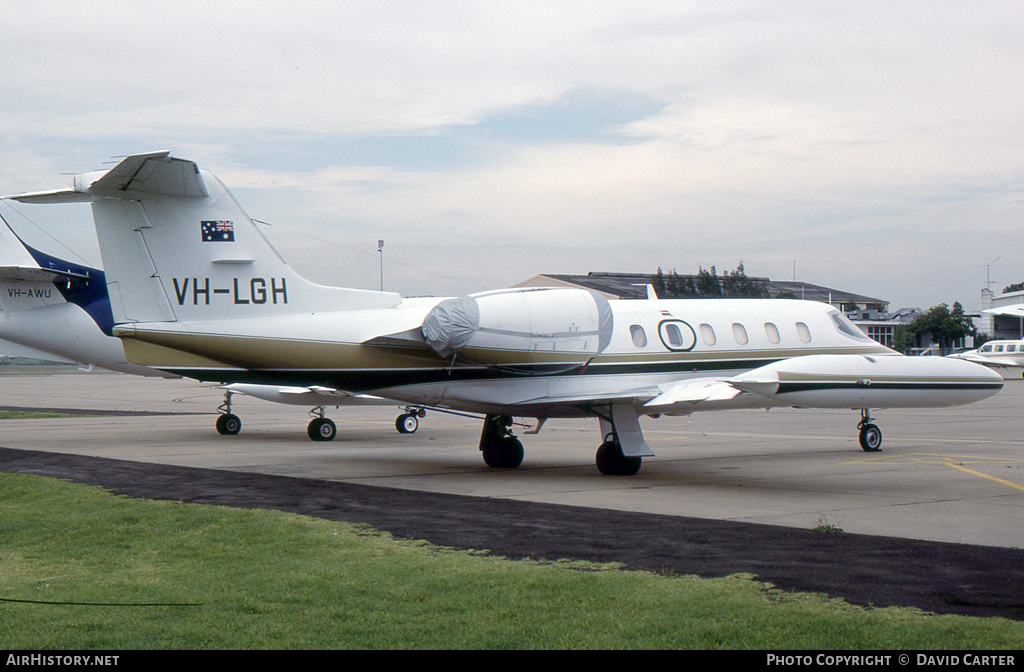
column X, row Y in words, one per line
column 24, row 415
column 264, row 579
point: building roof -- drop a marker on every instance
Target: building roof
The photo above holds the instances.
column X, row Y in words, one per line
column 634, row 286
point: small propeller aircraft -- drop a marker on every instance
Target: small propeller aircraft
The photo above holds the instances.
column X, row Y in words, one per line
column 197, row 291
column 1006, row 357
column 62, row 309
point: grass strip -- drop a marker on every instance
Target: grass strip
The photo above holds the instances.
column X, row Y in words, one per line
column 84, row 569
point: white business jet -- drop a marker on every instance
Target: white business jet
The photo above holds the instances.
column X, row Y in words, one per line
column 197, row 291
column 61, row 310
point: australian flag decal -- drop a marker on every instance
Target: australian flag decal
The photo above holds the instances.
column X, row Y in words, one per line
column 218, row 232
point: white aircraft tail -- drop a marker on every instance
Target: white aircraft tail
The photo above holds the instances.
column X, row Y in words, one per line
column 176, row 246
column 24, row 284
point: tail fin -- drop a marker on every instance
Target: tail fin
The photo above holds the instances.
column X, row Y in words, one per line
column 57, row 307
column 176, row 246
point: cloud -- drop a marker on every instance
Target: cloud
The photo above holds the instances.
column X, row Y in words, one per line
column 877, row 144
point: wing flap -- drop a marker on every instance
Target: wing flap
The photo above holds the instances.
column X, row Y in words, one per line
column 695, row 391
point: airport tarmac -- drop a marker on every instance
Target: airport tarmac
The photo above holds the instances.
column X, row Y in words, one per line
column 954, row 475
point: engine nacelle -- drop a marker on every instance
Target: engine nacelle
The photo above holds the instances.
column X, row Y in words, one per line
column 543, row 326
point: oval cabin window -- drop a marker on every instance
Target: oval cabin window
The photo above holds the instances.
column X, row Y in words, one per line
column 639, row 336
column 772, row 332
column 803, row 332
column 708, row 334
column 677, row 335
column 740, row 333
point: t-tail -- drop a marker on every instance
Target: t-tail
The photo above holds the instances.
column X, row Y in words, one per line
column 177, row 246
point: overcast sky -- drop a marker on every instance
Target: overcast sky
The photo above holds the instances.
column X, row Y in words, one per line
column 877, row 147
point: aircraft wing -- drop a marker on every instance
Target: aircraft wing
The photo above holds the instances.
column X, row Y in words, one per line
column 990, row 361
column 810, row 381
column 1012, row 311
column 684, row 396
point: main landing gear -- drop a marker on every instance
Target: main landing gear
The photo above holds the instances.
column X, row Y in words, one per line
column 870, row 435
column 500, row 448
column 611, row 461
column 621, row 453
column 228, row 424
column 321, row 428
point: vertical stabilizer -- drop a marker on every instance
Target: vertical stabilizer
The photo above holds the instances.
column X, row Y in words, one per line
column 176, row 246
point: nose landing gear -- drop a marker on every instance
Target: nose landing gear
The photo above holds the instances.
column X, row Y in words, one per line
column 870, row 435
column 409, row 422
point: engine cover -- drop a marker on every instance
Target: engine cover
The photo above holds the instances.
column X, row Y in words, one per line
column 551, row 327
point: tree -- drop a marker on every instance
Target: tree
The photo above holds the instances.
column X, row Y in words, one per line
column 946, row 326
column 903, row 339
column 1015, row 287
column 736, row 284
column 707, row 284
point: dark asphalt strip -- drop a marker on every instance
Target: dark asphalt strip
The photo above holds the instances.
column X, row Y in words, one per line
column 862, row 569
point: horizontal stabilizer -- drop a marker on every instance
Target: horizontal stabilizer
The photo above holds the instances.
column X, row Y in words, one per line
column 53, row 196
column 27, row 273
column 155, row 173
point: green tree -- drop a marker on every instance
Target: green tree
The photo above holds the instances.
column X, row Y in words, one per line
column 946, row 326
column 903, row 339
column 707, row 284
column 736, row 284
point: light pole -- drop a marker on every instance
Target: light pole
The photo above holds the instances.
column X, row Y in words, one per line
column 380, row 251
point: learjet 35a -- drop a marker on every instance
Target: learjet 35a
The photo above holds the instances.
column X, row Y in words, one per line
column 197, row 291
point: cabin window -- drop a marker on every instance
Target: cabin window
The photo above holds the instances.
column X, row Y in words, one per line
column 677, row 335
column 999, row 348
column 740, row 333
column 639, row 336
column 803, row 332
column 708, row 334
column 772, row 332
column 1011, row 348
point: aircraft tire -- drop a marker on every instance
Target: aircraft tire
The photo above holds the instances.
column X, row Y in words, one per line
column 407, row 423
column 228, row 424
column 506, row 453
column 611, row 461
column 322, row 429
column 870, row 438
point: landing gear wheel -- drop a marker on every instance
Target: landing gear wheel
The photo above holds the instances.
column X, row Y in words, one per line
column 501, row 449
column 504, row 454
column 611, row 461
column 407, row 423
column 228, row 424
column 322, row 429
column 870, row 438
